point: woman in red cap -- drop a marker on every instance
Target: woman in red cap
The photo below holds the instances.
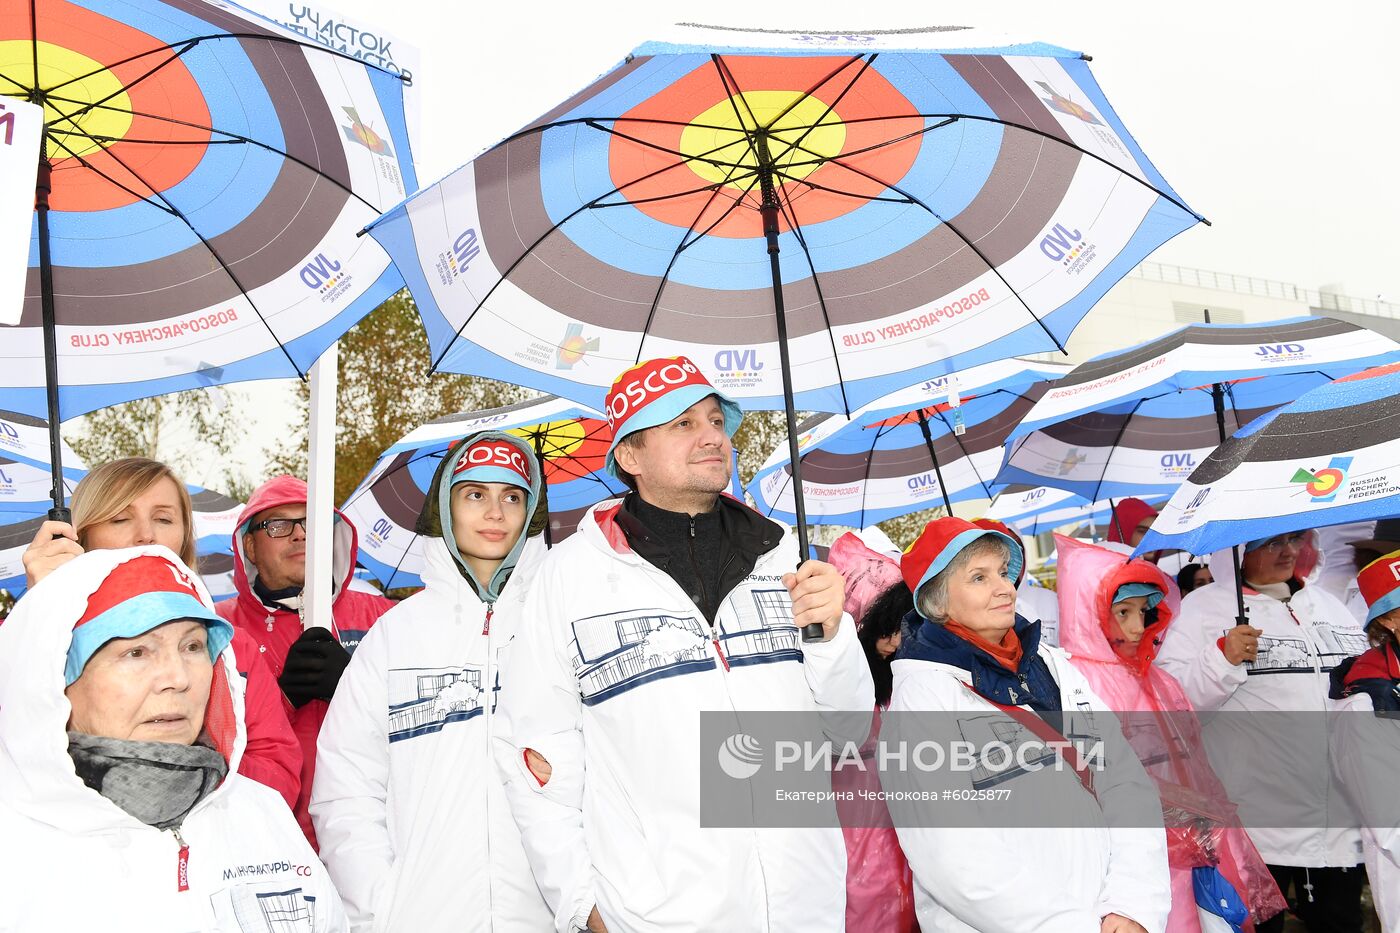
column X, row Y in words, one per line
column 1365, row 736
column 1034, row 847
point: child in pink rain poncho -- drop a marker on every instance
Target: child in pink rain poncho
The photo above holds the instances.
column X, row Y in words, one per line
column 1113, row 614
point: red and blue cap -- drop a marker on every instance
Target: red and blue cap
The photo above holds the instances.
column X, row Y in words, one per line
column 657, row 391
column 1379, row 582
column 138, row 595
column 991, row 524
column 494, row 460
column 944, row 539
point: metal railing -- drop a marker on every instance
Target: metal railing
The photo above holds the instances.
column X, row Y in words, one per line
column 1264, row 288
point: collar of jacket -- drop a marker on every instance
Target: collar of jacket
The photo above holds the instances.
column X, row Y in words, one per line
column 933, row 642
column 741, row 528
column 1376, row 672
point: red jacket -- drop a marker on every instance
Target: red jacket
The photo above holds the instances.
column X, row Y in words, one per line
column 274, row 630
column 272, row 756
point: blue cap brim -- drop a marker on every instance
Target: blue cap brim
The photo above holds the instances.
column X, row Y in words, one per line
column 137, row 616
column 1154, row 594
column 1383, row 605
column 670, row 406
column 1015, row 561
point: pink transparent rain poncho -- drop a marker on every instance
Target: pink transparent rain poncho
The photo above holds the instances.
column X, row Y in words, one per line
column 1161, row 725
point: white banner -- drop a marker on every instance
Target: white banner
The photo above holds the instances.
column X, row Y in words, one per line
column 21, row 128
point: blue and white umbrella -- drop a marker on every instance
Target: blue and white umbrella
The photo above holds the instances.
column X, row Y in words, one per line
column 1330, row 457
column 570, row 438
column 931, row 444
column 1136, row 422
column 26, row 482
column 1042, row 509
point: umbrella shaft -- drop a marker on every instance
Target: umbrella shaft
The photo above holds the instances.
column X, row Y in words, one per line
column 42, row 187
column 937, row 470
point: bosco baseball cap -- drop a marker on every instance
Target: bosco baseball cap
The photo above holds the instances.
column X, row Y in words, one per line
column 657, row 391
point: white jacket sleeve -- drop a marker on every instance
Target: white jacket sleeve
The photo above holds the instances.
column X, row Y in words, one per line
column 349, row 799
column 1138, row 882
column 839, row 676
column 1366, row 757
column 1191, row 653
column 540, row 709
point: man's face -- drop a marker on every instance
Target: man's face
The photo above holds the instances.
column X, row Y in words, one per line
column 685, row 462
column 281, row 562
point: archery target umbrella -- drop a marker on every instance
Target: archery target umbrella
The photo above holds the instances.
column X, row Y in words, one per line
column 203, row 178
column 816, row 221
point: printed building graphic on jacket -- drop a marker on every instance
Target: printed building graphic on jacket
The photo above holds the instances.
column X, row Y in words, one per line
column 1289, row 655
column 622, row 650
column 424, row 699
column 276, row 911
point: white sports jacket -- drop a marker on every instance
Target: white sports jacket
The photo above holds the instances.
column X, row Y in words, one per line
column 408, row 807
column 1256, row 760
column 606, row 679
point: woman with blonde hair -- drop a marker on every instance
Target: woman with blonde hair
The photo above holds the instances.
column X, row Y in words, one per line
column 136, row 501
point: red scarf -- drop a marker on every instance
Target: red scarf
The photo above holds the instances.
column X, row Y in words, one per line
column 1007, row 654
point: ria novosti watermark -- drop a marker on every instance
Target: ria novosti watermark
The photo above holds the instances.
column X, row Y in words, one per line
column 1073, row 768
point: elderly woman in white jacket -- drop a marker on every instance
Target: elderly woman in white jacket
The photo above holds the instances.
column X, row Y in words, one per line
column 1042, row 842
column 1276, row 767
column 121, row 726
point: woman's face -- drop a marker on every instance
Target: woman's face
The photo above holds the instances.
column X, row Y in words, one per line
column 151, row 688
column 1201, row 577
column 1390, row 621
column 154, row 517
column 887, row 646
column 982, row 595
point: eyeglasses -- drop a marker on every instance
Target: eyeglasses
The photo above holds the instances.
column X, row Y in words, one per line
column 280, row 527
column 1293, row 541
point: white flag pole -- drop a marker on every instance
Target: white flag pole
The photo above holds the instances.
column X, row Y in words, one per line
column 320, row 502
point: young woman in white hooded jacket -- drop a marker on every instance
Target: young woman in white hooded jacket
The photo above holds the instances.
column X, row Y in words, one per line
column 73, row 859
column 1278, row 768
column 408, row 805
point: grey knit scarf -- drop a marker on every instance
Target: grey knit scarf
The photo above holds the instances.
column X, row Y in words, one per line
column 156, row 782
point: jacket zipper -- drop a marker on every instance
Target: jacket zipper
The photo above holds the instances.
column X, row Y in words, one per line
column 182, row 864
column 705, row 595
column 486, row 623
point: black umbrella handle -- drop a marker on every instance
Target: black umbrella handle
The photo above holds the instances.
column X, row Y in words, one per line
column 60, row 514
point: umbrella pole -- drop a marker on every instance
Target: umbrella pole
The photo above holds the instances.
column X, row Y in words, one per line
column 769, row 212
column 1217, row 394
column 937, row 470
column 539, row 456
column 42, row 187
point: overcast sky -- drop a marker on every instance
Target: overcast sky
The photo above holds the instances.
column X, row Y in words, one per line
column 1274, row 120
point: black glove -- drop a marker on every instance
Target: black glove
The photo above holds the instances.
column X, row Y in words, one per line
column 313, row 667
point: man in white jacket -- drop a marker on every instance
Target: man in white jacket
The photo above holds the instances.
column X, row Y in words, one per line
column 407, row 803
column 1277, row 771
column 675, row 601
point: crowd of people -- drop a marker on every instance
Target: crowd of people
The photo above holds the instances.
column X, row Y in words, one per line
column 517, row 747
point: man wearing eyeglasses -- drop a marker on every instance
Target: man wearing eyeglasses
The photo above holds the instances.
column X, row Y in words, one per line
column 269, row 571
column 1275, row 764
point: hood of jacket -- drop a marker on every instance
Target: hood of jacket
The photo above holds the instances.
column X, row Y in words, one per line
column 37, row 777
column 288, row 490
column 437, row 503
column 1086, row 582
